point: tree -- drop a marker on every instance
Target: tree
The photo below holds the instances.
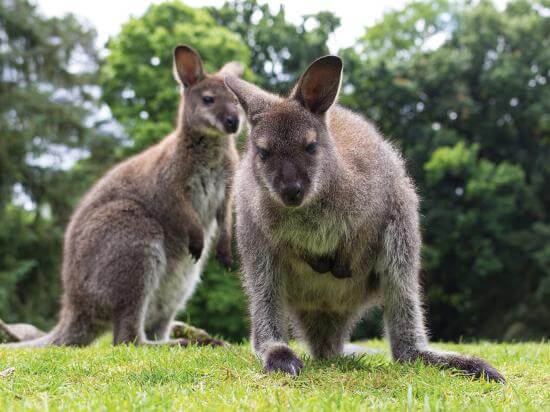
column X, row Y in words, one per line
column 48, row 91
column 472, row 119
column 280, row 50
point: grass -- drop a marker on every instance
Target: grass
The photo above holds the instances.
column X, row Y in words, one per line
column 102, row 377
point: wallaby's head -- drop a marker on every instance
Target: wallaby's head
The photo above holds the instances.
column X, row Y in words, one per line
column 207, row 104
column 289, row 138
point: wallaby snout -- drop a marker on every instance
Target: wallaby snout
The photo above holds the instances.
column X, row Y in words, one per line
column 290, row 185
column 231, row 120
column 292, row 194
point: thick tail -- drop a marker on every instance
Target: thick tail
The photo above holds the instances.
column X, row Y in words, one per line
column 45, row 340
column 72, row 330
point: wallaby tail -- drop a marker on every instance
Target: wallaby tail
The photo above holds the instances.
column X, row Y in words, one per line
column 71, row 330
column 45, row 340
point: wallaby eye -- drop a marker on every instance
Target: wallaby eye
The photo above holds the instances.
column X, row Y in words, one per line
column 311, row 148
column 207, row 99
column 263, row 153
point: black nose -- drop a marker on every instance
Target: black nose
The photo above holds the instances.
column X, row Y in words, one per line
column 292, row 194
column 231, row 123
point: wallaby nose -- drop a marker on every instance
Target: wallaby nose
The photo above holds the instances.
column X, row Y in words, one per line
column 231, row 123
column 292, row 194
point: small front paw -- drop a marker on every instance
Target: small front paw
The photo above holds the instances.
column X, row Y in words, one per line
column 224, row 254
column 320, row 264
column 341, row 271
column 196, row 245
column 282, row 359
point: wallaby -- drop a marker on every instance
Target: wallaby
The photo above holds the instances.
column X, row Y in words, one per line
column 327, row 227
column 137, row 242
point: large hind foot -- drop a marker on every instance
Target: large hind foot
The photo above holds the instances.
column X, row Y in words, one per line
column 467, row 365
column 185, row 342
column 183, row 330
column 202, row 342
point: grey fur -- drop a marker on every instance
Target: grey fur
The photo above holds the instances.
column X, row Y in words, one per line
column 137, row 242
column 352, row 204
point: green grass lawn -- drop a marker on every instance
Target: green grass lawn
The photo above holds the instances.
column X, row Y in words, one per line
column 103, row 377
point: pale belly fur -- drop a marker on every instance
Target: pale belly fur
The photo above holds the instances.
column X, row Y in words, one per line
column 308, row 290
column 176, row 284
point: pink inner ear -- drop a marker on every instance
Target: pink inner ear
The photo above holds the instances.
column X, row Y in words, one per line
column 315, row 88
column 190, row 71
column 311, row 95
column 192, row 79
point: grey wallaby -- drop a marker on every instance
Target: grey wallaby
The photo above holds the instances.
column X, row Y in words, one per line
column 137, row 242
column 327, row 227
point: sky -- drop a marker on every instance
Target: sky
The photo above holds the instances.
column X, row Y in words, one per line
column 108, row 15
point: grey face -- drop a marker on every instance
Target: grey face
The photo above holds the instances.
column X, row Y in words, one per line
column 287, row 149
column 209, row 106
column 289, row 137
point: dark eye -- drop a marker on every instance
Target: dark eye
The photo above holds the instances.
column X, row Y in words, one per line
column 311, row 148
column 264, row 154
column 207, row 99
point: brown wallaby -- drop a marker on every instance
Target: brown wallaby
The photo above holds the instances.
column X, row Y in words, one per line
column 137, row 242
column 327, row 227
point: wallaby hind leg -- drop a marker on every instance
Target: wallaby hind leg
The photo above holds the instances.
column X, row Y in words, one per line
column 163, row 307
column 403, row 315
column 75, row 329
column 129, row 330
column 159, row 330
column 128, row 325
column 323, row 332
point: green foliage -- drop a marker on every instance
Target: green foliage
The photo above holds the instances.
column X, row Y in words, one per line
column 102, row 377
column 48, row 91
column 472, row 119
column 280, row 50
column 137, row 78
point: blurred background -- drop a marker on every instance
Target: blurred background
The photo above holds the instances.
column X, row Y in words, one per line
column 460, row 87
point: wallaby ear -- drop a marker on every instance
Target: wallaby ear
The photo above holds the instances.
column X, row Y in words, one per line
column 187, row 66
column 253, row 99
column 234, row 69
column 318, row 87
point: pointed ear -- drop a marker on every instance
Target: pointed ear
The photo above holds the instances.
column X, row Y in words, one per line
column 187, row 66
column 318, row 87
column 234, row 69
column 253, row 99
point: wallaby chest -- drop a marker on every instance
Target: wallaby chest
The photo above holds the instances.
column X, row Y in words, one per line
column 317, row 232
column 326, row 233
column 206, row 190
